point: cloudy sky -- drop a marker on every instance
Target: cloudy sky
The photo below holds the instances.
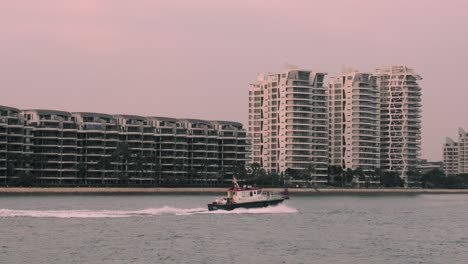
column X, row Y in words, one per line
column 196, row 58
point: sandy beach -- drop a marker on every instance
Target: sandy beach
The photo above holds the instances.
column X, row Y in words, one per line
column 297, row 191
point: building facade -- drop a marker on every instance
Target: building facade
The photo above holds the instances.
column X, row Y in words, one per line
column 455, row 154
column 354, row 114
column 54, row 138
column 15, row 141
column 58, row 147
column 98, row 137
column 400, row 119
column 462, row 151
column 288, row 123
column 450, row 157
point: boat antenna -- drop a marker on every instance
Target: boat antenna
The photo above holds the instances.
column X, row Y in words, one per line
column 234, row 180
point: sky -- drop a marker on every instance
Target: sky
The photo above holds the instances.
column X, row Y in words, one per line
column 196, row 59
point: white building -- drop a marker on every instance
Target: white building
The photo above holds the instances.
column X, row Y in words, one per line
column 354, row 112
column 456, row 154
column 15, row 139
column 462, row 151
column 288, row 122
column 55, row 144
column 59, row 147
column 450, row 157
column 400, row 118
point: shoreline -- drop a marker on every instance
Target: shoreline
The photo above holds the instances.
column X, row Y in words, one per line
column 191, row 190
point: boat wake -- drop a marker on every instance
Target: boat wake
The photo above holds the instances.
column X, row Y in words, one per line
column 166, row 210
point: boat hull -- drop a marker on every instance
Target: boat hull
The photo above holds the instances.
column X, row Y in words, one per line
column 232, row 206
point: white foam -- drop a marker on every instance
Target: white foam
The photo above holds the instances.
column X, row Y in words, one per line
column 61, row 213
column 141, row 213
column 278, row 209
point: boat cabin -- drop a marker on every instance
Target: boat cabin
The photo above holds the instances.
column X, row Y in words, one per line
column 244, row 194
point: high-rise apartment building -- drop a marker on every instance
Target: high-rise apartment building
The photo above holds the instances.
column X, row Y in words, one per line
column 400, row 118
column 451, row 157
column 288, row 122
column 354, row 114
column 462, row 151
column 455, row 154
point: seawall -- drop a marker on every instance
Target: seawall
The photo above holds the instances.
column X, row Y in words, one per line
column 293, row 191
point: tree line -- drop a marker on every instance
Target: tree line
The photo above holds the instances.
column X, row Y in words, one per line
column 126, row 168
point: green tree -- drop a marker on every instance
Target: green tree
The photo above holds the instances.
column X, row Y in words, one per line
column 436, row 179
column 349, row 175
column 121, row 158
column 360, row 174
column 18, row 166
column 275, row 179
column 82, row 172
column 194, row 177
column 240, row 171
column 414, row 177
column 377, row 175
column 391, row 179
column 104, row 164
column 335, row 175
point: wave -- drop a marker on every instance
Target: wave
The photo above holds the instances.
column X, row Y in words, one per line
column 166, row 210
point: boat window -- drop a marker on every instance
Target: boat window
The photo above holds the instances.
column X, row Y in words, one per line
column 233, row 193
column 251, row 193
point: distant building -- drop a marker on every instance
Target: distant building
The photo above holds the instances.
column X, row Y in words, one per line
column 450, row 157
column 425, row 166
column 96, row 148
column 462, row 151
column 288, row 122
column 456, row 154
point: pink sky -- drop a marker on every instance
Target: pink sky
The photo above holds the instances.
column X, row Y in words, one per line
column 197, row 58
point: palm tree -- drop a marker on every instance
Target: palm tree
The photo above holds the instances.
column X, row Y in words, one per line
column 178, row 166
column 349, row 175
column 240, row 171
column 414, row 177
column 378, row 173
column 220, row 177
column 138, row 161
column 10, row 166
column 204, row 170
column 39, row 163
column 104, row 164
column 150, row 162
column 122, row 155
column 254, row 167
column 82, row 172
column 16, row 163
column 193, row 176
column 157, row 170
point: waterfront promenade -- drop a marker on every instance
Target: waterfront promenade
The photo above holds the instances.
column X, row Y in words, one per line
column 191, row 190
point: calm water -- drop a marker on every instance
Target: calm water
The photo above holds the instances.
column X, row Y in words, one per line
column 178, row 229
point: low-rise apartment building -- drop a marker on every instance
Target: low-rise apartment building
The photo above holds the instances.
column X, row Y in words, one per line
column 66, row 148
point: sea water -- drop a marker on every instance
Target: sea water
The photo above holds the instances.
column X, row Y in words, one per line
column 180, row 229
